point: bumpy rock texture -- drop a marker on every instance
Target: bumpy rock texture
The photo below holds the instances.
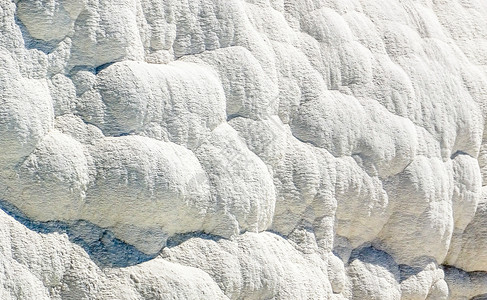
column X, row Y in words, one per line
column 231, row 149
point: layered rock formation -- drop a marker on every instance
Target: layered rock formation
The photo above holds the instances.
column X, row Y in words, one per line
column 231, row 149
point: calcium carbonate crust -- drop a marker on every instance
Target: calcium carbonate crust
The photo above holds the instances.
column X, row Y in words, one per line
column 231, row 149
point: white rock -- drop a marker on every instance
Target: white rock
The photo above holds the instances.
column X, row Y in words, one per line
column 256, row 266
column 422, row 197
column 248, row 90
column 54, row 178
column 156, row 183
column 163, row 102
column 241, row 186
column 49, row 19
column 374, row 276
column 49, row 266
column 426, row 282
column 463, row 285
column 268, row 149
column 471, row 257
column 23, row 123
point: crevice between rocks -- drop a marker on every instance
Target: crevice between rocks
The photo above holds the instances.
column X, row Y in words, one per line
column 100, row 243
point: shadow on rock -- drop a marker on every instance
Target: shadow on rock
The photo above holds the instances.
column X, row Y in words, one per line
column 100, row 243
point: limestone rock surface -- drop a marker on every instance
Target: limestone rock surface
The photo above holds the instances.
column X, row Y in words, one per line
column 243, row 149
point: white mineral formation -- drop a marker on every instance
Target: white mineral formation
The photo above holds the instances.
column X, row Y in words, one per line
column 243, row 149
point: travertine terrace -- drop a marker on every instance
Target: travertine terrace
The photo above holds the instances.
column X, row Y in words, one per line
column 231, row 149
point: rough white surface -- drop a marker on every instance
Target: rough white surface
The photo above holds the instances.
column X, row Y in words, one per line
column 49, row 266
column 231, row 149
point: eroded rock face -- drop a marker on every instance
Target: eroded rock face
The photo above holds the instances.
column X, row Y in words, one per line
column 266, row 149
